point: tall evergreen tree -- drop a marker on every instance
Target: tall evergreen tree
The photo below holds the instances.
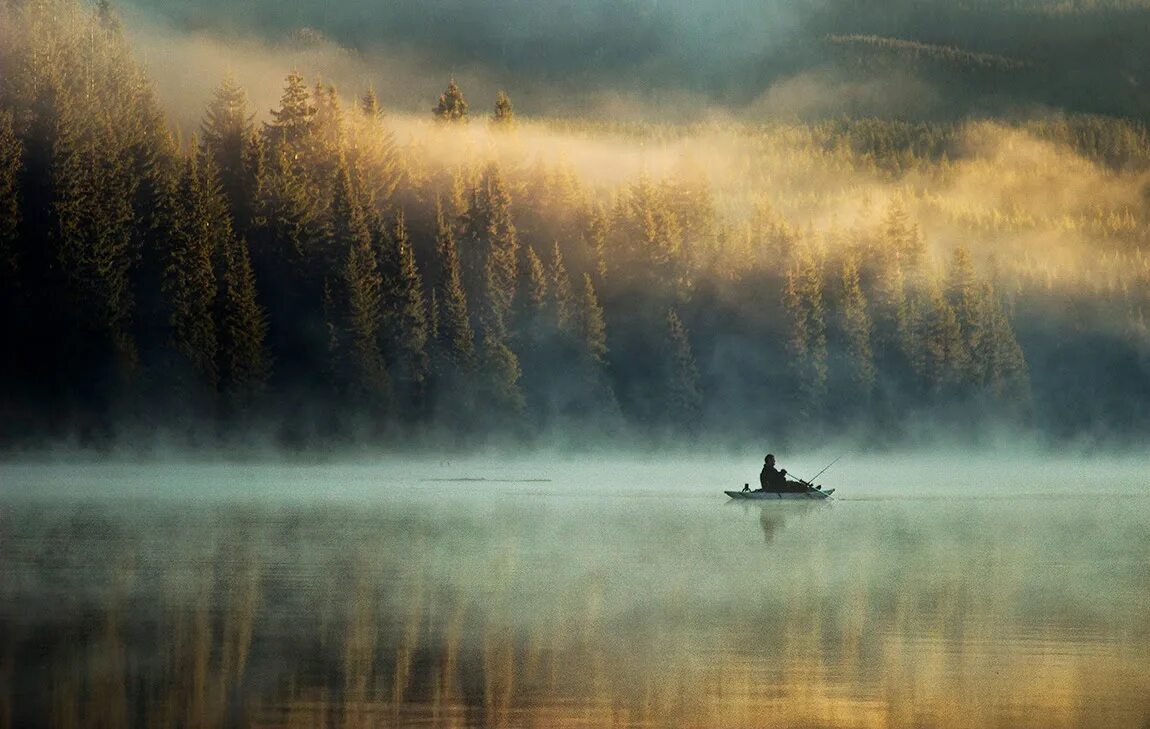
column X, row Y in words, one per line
column 504, row 115
column 200, row 226
column 226, row 134
column 92, row 242
column 946, row 357
column 857, row 326
column 293, row 121
column 373, row 155
column 406, row 321
column 807, row 344
column 562, row 301
column 684, row 398
column 592, row 326
column 454, row 320
column 493, row 247
column 965, row 297
column 354, row 302
column 244, row 361
column 451, row 107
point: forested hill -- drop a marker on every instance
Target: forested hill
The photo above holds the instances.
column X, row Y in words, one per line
column 330, row 272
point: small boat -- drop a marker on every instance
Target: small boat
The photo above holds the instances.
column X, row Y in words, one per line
column 811, row 494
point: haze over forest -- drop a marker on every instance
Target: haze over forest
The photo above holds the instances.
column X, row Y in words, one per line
column 583, row 222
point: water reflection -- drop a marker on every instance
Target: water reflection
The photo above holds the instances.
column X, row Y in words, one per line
column 772, row 515
column 542, row 612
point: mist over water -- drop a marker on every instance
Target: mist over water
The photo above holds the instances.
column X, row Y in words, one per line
column 517, row 592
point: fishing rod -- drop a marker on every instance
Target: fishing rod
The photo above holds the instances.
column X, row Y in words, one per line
column 808, row 483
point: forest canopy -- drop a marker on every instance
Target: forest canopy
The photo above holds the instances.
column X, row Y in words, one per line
column 329, row 270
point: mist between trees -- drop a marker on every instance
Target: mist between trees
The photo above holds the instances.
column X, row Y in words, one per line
column 339, row 274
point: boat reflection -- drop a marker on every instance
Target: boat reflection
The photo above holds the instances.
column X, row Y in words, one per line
column 774, row 514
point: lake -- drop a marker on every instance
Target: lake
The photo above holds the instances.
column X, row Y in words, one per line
column 932, row 592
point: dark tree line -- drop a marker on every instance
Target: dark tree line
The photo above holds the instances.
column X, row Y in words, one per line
column 309, row 272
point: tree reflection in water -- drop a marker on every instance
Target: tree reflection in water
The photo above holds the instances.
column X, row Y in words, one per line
column 553, row 614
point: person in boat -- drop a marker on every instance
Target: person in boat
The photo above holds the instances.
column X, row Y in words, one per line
column 771, row 478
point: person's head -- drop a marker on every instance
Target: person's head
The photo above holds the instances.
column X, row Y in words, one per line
column 770, row 459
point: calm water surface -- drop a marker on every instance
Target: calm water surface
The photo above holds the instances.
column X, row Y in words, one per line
column 562, row 596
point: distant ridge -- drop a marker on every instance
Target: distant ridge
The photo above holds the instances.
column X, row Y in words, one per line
column 917, row 50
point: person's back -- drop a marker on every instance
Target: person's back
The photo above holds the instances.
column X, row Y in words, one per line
column 770, row 478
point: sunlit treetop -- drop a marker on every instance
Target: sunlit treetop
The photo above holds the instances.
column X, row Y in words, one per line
column 452, row 107
column 504, row 114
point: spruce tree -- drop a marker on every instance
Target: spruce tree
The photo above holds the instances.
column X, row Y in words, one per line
column 492, row 242
column 291, row 259
column 503, row 117
column 964, row 296
column 226, row 133
column 369, row 105
column 592, row 327
column 562, row 301
column 451, row 107
column 454, row 320
column 373, row 155
column 684, row 398
column 598, row 229
column 945, row 356
column 596, row 399
column 244, row 362
column 355, row 303
column 807, row 343
column 857, row 327
column 293, row 121
column 534, row 286
column 93, row 191
column 406, row 321
column 190, row 278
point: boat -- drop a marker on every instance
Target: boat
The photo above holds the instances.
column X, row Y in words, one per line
column 811, row 494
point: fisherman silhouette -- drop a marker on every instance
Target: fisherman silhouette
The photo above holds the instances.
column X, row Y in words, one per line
column 771, row 478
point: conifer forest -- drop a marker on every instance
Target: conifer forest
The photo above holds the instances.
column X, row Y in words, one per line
column 337, row 270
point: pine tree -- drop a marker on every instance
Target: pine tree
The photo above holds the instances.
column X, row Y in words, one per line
column 562, row 301
column 807, row 344
column 454, row 320
column 355, row 302
column 451, row 107
column 592, row 328
column 244, row 363
column 406, row 321
column 534, row 286
column 372, row 154
column 491, row 239
column 946, row 357
column 369, row 105
column 291, row 259
column 293, row 121
column 92, row 242
column 684, row 398
column 901, row 239
column 595, row 397
column 189, row 276
column 328, row 138
column 598, row 228
column 1005, row 371
column 857, row 326
column 225, row 135
column 964, row 296
column 503, row 116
